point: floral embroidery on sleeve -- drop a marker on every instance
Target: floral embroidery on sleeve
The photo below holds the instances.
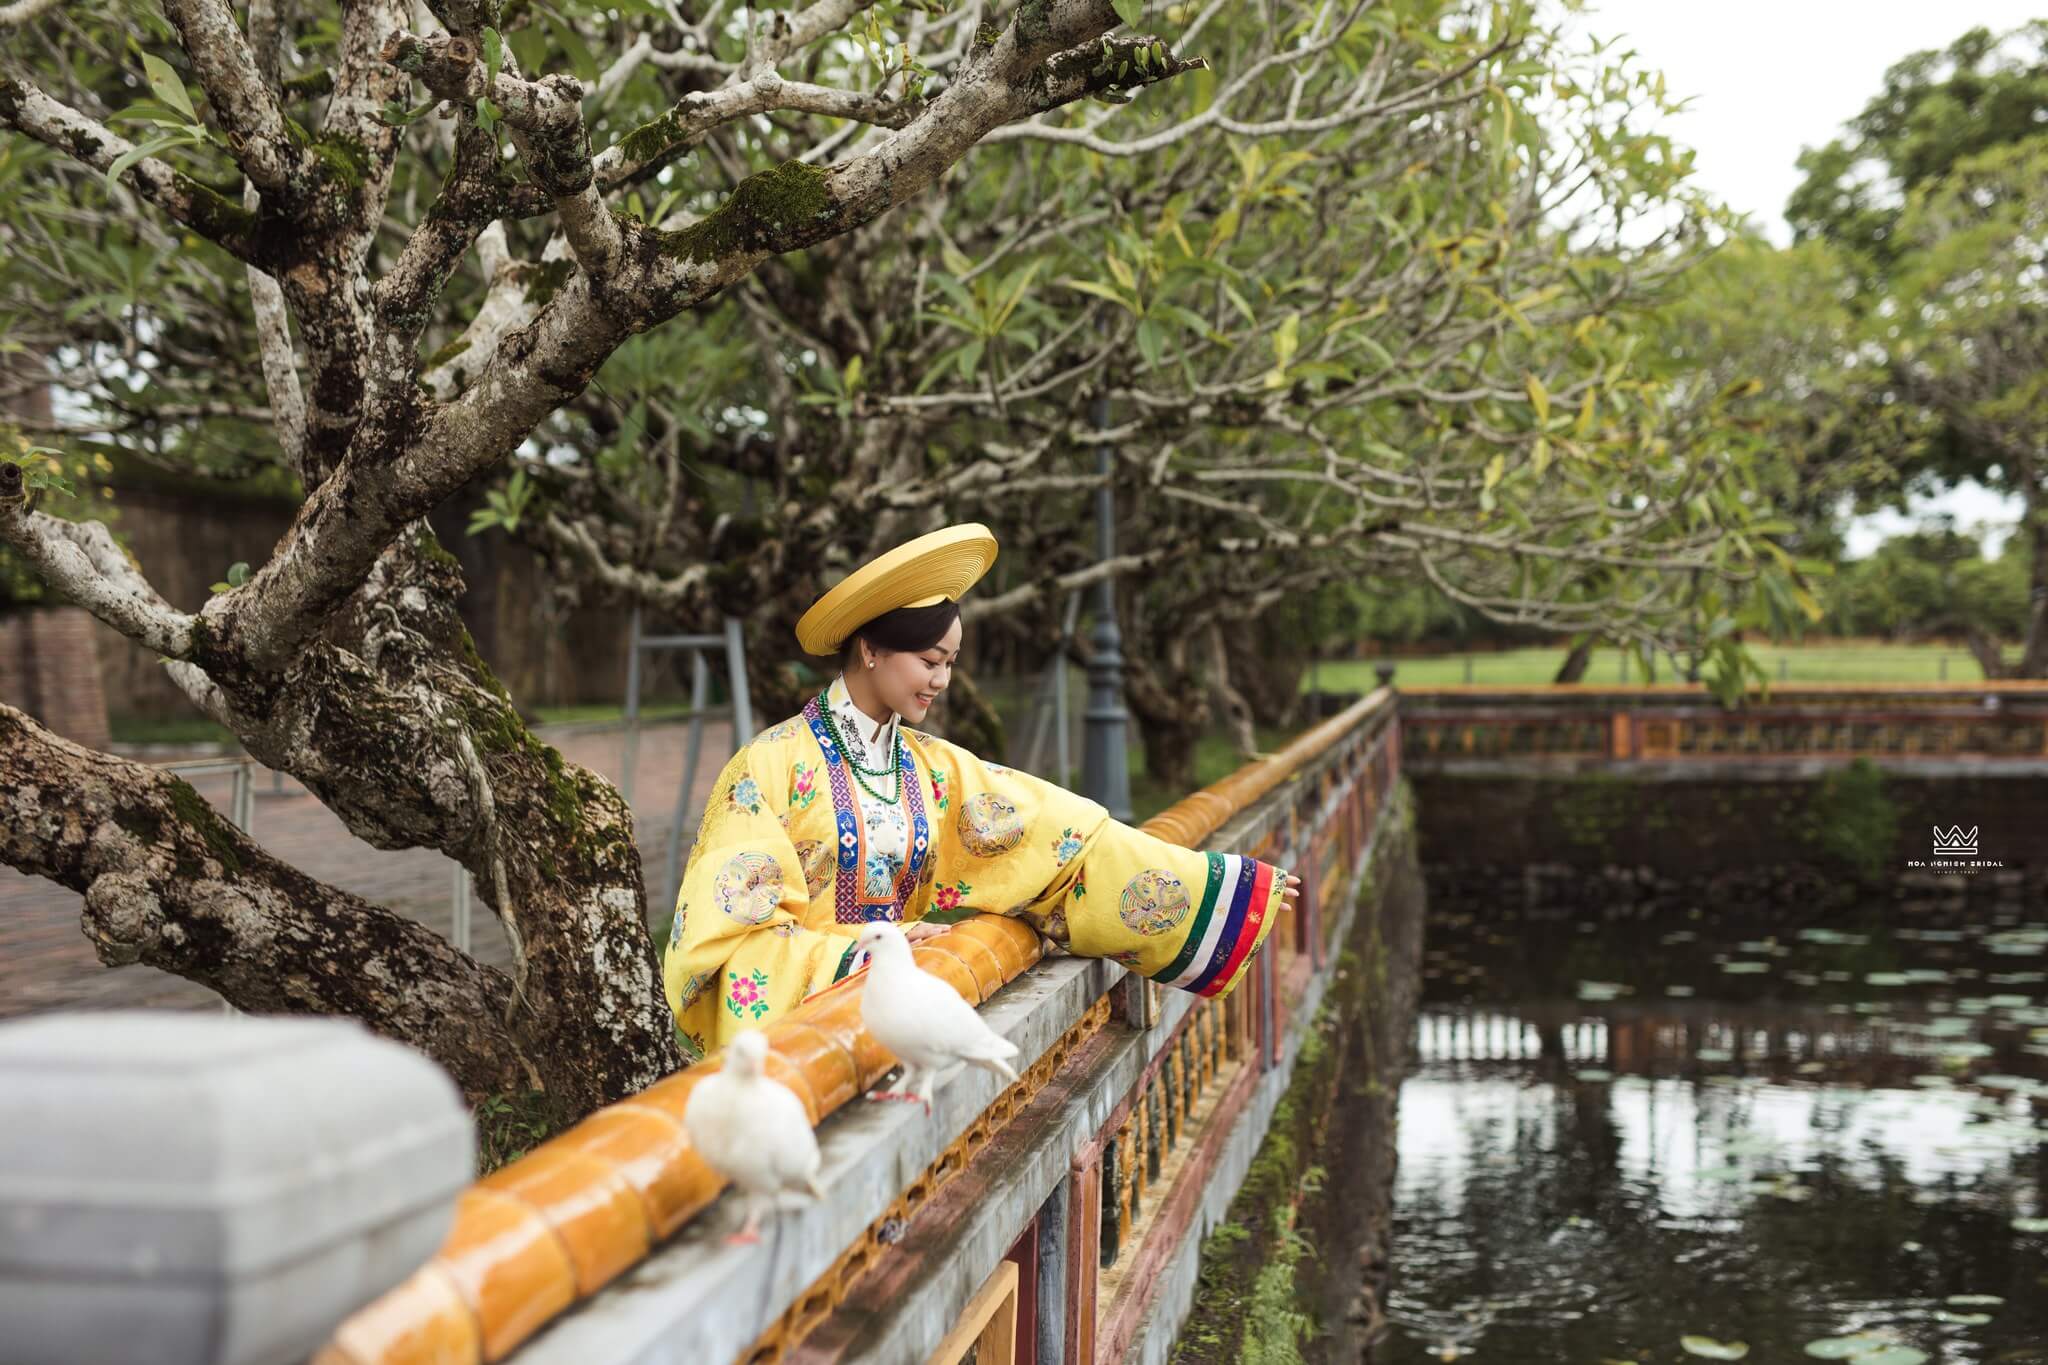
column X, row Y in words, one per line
column 803, row 785
column 746, row 796
column 748, row 995
column 1065, row 847
column 949, row 897
column 941, row 797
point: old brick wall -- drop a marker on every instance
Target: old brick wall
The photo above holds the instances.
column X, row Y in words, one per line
column 186, row 540
column 48, row 669
column 1759, row 832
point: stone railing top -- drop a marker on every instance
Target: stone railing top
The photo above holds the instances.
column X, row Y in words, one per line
column 553, row 1227
column 1680, row 691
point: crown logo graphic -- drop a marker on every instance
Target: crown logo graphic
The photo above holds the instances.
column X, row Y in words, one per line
column 1954, row 843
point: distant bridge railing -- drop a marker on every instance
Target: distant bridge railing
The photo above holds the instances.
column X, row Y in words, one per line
column 1057, row 1220
column 1965, row 722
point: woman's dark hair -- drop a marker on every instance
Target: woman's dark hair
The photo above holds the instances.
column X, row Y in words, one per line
column 904, row 630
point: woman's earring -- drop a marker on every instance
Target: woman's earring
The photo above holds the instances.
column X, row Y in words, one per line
column 871, row 663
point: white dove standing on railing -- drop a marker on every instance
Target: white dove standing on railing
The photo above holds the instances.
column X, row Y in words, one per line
column 923, row 1020
column 753, row 1130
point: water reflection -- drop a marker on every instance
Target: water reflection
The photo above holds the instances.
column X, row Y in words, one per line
column 1770, row 1140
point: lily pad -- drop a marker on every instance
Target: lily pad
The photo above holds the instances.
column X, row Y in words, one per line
column 1961, row 1319
column 1886, row 978
column 1893, row 1355
column 1714, row 1350
column 1715, row 1054
column 1744, row 969
column 1974, row 1300
column 1594, row 1074
column 1843, row 1348
column 2030, row 1225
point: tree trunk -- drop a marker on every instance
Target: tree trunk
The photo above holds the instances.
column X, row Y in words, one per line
column 1985, row 649
column 2034, row 657
column 396, row 725
column 1270, row 674
column 1573, row 670
column 972, row 721
column 168, row 882
column 1171, row 714
column 1237, row 711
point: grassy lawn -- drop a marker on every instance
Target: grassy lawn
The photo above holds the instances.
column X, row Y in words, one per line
column 176, row 730
column 608, row 712
column 1786, row 663
column 1215, row 759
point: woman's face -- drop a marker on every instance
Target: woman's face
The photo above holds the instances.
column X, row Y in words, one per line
column 909, row 681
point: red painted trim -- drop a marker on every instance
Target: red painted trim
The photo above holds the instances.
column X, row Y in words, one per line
column 1025, row 1254
column 1170, row 1225
column 1084, row 1249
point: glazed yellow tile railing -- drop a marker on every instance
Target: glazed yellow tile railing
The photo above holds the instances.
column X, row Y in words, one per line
column 558, row 1224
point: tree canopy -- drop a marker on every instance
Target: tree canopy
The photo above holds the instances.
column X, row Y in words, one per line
column 717, row 302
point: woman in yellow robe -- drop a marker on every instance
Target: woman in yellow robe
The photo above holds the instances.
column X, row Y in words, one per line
column 843, row 814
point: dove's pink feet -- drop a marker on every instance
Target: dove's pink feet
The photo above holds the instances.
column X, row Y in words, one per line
column 744, row 1237
column 896, row 1095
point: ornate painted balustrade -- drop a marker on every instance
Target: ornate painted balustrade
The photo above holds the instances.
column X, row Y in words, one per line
column 1055, row 1220
column 1967, row 723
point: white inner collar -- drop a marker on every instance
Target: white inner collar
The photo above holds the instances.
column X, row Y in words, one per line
column 878, row 736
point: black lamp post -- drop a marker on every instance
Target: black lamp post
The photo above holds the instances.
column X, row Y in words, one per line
column 1105, row 759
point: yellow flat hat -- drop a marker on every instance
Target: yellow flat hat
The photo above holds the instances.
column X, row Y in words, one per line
column 934, row 568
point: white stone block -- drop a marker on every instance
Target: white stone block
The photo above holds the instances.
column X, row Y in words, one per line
column 212, row 1190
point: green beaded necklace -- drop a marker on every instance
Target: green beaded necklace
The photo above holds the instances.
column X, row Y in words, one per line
column 861, row 772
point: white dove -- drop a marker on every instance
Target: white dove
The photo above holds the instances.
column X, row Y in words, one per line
column 753, row 1130
column 921, row 1019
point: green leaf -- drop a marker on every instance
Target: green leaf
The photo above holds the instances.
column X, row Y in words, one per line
column 1714, row 1350
column 167, row 87
column 486, row 114
column 154, row 145
column 1100, row 290
column 1151, row 341
column 1286, row 340
column 1539, row 398
column 1495, row 467
column 494, row 54
column 396, row 115
column 1130, row 11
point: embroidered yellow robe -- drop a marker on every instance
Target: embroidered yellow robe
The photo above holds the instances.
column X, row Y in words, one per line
column 775, row 890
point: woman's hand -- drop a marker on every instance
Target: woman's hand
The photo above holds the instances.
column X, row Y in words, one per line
column 1291, row 893
column 917, row 931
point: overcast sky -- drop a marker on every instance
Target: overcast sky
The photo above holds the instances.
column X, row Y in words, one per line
column 1768, row 77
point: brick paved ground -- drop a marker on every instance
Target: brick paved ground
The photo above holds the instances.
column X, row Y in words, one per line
column 47, row 964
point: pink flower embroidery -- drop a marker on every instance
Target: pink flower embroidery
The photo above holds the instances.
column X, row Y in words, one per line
column 948, row 897
column 748, row 995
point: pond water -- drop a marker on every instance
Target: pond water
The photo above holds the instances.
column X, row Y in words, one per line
column 1783, row 1144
